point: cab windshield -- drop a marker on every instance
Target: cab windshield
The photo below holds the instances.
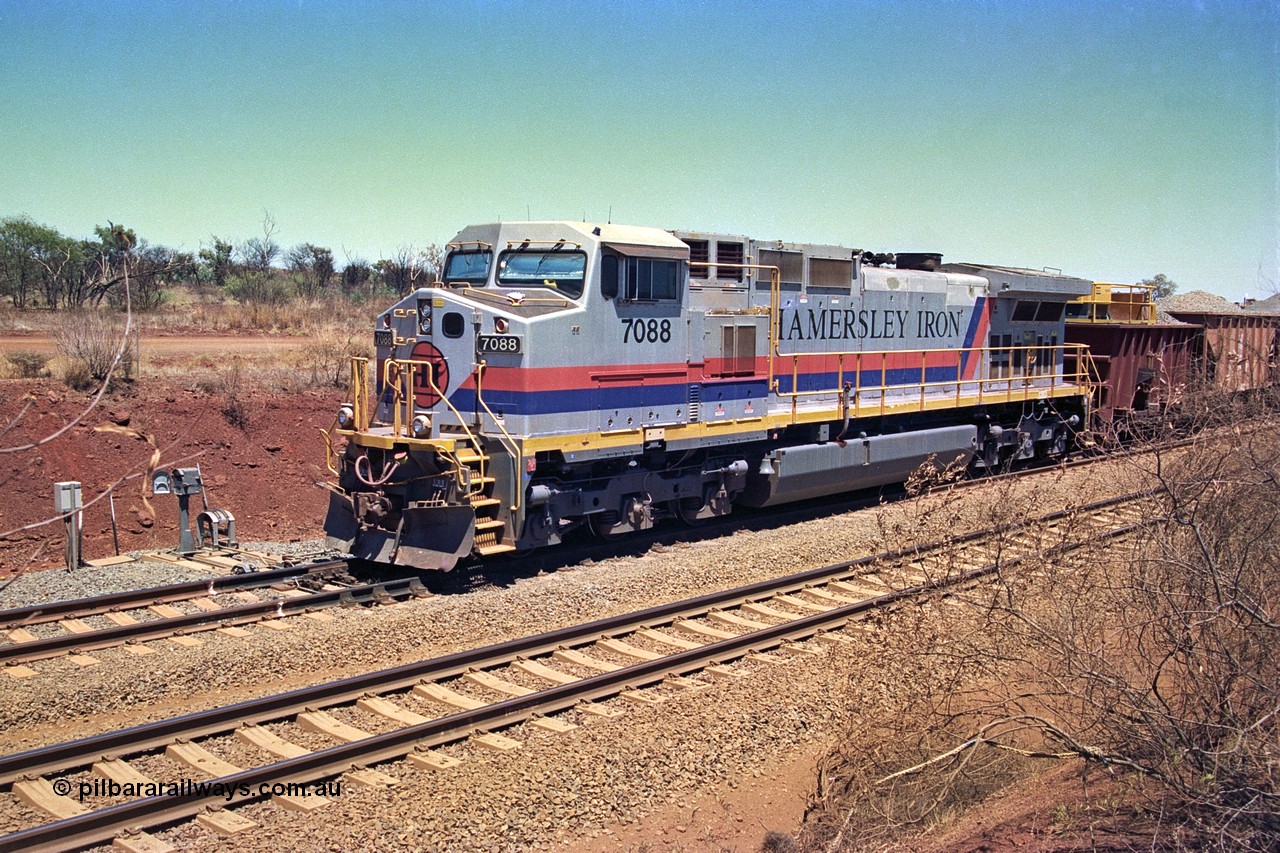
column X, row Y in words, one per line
column 563, row 270
column 469, row 267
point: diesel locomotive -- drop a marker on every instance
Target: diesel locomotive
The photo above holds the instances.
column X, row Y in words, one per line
column 569, row 375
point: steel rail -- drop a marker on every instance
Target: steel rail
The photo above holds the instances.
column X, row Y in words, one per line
column 99, row 826
column 35, row 614
column 206, row 620
column 216, row 721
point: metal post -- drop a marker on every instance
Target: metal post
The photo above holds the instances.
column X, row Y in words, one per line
column 182, row 482
column 186, row 542
column 115, row 531
column 67, row 501
column 187, row 482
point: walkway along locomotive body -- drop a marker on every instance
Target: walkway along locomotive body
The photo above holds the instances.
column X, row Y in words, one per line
column 567, row 374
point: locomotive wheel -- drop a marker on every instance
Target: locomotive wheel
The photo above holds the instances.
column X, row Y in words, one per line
column 688, row 509
column 601, row 524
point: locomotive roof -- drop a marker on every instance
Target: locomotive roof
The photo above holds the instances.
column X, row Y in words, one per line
column 1016, row 281
column 587, row 232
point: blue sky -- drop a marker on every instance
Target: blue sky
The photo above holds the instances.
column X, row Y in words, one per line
column 1110, row 140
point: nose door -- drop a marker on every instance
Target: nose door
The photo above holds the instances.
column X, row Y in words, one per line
column 432, row 379
column 445, row 359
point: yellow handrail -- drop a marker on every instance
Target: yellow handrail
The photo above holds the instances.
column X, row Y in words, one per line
column 360, row 392
column 1134, row 301
column 1037, row 374
column 557, row 244
column 510, row 443
column 329, row 455
column 404, row 385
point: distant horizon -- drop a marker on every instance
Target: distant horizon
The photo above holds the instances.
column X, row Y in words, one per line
column 1110, row 142
column 341, row 260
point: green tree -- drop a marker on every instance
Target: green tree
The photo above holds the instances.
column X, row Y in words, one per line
column 356, row 277
column 312, row 269
column 1162, row 286
column 20, row 269
column 103, row 264
column 35, row 260
column 216, row 264
column 256, row 279
column 117, row 254
column 153, row 270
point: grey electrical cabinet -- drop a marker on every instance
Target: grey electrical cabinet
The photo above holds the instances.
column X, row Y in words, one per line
column 66, row 497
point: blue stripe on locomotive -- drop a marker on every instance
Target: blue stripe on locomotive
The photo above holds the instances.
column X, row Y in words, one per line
column 974, row 320
column 567, row 400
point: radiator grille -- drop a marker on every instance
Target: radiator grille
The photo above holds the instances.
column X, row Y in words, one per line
column 729, row 253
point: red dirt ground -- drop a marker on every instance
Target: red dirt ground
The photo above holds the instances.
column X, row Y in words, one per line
column 264, row 473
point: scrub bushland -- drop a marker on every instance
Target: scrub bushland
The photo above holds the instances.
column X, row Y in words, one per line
column 1151, row 662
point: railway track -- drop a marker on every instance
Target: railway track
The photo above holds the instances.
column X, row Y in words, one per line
column 131, row 619
column 134, row 617
column 549, row 679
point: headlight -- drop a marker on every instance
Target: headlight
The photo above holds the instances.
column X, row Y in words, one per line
column 424, row 316
column 422, row 426
column 346, row 417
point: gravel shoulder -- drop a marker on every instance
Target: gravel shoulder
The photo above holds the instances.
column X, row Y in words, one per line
column 225, row 669
column 562, row 790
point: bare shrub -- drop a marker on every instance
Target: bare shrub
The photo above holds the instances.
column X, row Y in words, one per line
column 778, row 842
column 289, row 380
column 75, row 374
column 229, row 380
column 28, row 364
column 95, row 346
column 1155, row 659
column 327, row 357
column 236, row 411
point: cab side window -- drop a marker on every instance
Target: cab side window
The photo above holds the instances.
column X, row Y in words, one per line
column 609, row 276
column 651, row 280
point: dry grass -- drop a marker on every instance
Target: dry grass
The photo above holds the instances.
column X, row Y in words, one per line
column 326, row 333
column 217, row 315
column 191, row 312
column 26, row 364
column 1155, row 658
